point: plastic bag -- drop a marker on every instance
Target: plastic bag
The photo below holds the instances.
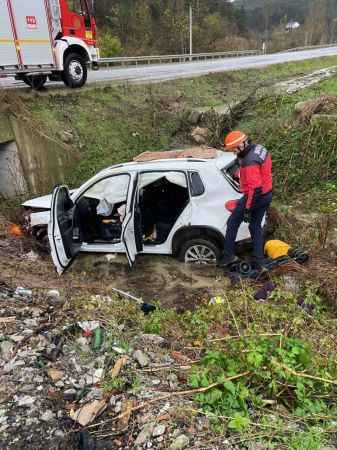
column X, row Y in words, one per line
column 104, row 208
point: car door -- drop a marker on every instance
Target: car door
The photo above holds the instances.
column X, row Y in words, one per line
column 64, row 235
column 132, row 229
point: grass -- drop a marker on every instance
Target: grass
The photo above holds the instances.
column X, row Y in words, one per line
column 112, row 124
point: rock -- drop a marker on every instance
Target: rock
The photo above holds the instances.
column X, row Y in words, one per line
column 53, row 294
column 291, row 284
column 145, row 434
column 194, row 117
column 59, row 434
column 55, row 374
column 141, row 358
column 83, row 344
column 59, row 384
column 199, row 135
column 152, row 339
column 299, row 107
column 69, row 395
column 159, row 430
column 26, row 400
column 256, row 446
column 98, row 375
column 6, row 350
column 180, row 442
column 118, row 407
column 47, row 416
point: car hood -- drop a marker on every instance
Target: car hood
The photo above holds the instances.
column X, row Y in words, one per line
column 43, row 202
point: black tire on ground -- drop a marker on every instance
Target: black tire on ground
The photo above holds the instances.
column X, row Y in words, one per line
column 75, row 72
column 35, row 81
column 206, row 247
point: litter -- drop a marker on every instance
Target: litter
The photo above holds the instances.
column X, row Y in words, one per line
column 265, row 291
column 31, row 256
column 216, row 301
column 146, row 308
column 307, row 307
column 7, row 319
column 23, row 292
column 120, row 363
column 88, row 413
column 88, row 327
column 97, row 339
column 16, row 231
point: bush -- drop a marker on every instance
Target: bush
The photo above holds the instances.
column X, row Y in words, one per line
column 109, row 45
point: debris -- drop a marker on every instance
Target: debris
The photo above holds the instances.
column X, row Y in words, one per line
column 54, row 294
column 88, row 327
column 97, row 339
column 145, row 307
column 26, row 400
column 47, row 416
column 88, row 413
column 152, row 338
column 141, row 358
column 55, row 374
column 307, row 307
column 145, row 434
column 120, row 363
column 200, row 135
column 180, row 442
column 7, row 319
column 6, row 349
column 159, row 430
column 16, row 231
column 216, row 301
column 23, row 292
column 126, row 412
column 265, row 291
column 31, row 256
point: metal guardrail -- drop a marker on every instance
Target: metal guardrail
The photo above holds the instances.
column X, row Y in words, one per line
column 309, row 47
column 135, row 60
column 161, row 59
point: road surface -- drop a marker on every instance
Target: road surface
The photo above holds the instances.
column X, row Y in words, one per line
column 163, row 72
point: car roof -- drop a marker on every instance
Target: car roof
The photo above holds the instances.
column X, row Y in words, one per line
column 221, row 160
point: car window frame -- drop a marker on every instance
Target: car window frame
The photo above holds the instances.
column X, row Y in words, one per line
column 190, row 172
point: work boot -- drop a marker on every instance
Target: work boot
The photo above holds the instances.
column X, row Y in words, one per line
column 227, row 260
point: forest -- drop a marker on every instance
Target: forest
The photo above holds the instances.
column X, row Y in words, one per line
column 141, row 27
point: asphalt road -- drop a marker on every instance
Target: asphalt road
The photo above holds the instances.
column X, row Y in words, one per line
column 163, row 72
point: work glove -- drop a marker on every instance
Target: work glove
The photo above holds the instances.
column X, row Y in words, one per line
column 247, row 216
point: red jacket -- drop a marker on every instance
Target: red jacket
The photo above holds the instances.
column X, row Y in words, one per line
column 255, row 173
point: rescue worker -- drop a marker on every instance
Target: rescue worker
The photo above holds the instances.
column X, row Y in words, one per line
column 255, row 175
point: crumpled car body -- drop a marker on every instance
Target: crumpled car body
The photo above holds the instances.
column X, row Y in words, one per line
column 167, row 207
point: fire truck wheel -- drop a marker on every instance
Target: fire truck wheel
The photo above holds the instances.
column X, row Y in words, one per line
column 75, row 71
column 35, row 81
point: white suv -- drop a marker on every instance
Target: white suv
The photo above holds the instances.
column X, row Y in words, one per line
column 166, row 206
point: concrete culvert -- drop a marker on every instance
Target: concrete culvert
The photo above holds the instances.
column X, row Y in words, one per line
column 12, row 180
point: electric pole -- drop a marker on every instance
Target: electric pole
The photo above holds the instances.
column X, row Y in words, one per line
column 191, row 31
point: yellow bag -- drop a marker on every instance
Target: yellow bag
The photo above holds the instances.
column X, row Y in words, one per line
column 276, row 249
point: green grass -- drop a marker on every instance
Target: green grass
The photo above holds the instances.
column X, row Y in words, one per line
column 112, row 124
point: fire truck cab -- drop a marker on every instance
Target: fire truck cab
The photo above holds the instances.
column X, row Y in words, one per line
column 41, row 39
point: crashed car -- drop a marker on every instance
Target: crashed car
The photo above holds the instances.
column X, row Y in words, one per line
column 173, row 206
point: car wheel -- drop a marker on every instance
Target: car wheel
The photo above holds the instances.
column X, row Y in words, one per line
column 199, row 251
column 75, row 71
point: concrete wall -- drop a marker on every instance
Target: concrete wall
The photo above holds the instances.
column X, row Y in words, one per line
column 43, row 160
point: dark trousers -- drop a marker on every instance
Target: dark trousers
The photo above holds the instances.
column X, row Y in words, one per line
column 260, row 206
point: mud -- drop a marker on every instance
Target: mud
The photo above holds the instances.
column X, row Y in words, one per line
column 164, row 279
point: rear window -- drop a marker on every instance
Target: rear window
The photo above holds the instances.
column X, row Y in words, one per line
column 229, row 173
column 196, row 184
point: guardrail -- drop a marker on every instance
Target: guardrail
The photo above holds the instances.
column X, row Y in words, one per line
column 309, row 47
column 135, row 60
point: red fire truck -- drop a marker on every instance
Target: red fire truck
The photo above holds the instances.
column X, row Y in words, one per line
column 41, row 39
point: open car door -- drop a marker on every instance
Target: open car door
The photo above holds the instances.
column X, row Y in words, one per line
column 132, row 236
column 64, row 235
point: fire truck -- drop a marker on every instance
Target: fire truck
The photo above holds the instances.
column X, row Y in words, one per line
column 47, row 39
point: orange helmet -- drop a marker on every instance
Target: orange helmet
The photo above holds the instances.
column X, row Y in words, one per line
column 234, row 139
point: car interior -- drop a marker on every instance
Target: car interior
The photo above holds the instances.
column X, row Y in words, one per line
column 161, row 202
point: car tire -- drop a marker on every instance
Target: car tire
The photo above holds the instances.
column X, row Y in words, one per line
column 36, row 82
column 75, row 72
column 208, row 251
